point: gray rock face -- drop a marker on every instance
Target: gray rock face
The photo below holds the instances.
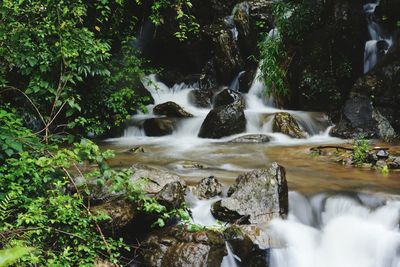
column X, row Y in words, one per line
column 207, row 188
column 256, row 197
column 286, row 124
column 176, row 246
column 251, row 138
column 121, row 212
column 158, row 126
column 171, row 109
column 223, row 121
column 227, row 97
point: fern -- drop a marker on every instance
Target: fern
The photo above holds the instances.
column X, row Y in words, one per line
column 5, row 207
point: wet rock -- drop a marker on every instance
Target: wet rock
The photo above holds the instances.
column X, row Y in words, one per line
column 241, row 18
column 121, row 212
column 223, row 121
column 176, row 246
column 171, row 109
column 251, row 243
column 228, row 60
column 207, row 188
column 103, row 263
column 135, row 150
column 158, row 126
column 372, row 106
column 201, row 98
column 246, row 80
column 286, row 124
column 251, row 138
column 393, row 163
column 360, row 117
column 382, row 154
column 157, row 179
column 258, row 196
column 226, row 97
column 172, row 195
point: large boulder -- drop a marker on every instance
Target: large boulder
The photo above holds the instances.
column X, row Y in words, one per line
column 207, row 188
column 227, row 96
column 176, row 246
column 257, row 197
column 201, row 98
column 223, row 121
column 286, row 124
column 171, row 109
column 158, row 126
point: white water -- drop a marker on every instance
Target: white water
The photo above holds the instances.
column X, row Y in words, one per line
column 376, row 34
column 338, row 231
column 259, row 118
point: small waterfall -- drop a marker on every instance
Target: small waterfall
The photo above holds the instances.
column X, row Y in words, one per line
column 338, row 230
column 230, row 259
column 201, row 210
column 231, row 24
column 379, row 44
column 235, row 83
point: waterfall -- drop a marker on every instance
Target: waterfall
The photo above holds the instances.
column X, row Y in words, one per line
column 339, row 230
column 235, row 83
column 230, row 259
column 379, row 43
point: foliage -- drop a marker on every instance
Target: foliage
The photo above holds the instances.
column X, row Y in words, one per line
column 360, row 150
column 186, row 22
column 272, row 70
column 11, row 255
column 292, row 22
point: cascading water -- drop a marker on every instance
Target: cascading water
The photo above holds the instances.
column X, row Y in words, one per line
column 340, row 230
column 379, row 44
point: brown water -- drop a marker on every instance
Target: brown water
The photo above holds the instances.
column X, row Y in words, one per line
column 305, row 173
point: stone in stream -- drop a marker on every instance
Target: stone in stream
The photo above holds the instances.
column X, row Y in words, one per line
column 171, row 109
column 223, row 121
column 177, row 246
column 227, row 97
column 382, row 154
column 286, row 124
column 207, row 188
column 251, row 138
column 257, row 197
column 158, row 126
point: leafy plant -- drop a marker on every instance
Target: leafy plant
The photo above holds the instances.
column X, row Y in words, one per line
column 360, row 150
column 11, row 255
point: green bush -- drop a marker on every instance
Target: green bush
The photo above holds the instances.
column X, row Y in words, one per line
column 360, row 150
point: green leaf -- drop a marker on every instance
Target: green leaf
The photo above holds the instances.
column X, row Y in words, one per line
column 11, row 255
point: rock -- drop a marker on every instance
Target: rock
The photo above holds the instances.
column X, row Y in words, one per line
column 246, row 80
column 172, row 195
column 360, row 117
column 135, row 150
column 382, row 154
column 158, row 126
column 228, row 60
column 251, row 243
column 176, row 246
column 246, row 38
column 259, row 196
column 201, row 98
column 157, row 179
column 207, row 188
column 251, row 138
column 223, row 121
column 121, row 212
column 393, row 162
column 372, row 106
column 171, row 109
column 103, row 263
column 286, row 124
column 226, row 97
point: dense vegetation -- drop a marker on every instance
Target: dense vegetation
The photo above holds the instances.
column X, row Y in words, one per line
column 68, row 69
